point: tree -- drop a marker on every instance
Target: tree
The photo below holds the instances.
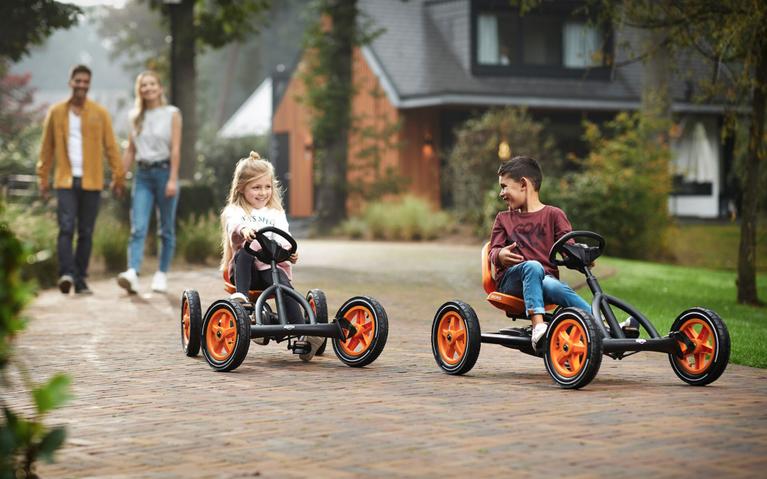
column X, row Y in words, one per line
column 732, row 36
column 29, row 22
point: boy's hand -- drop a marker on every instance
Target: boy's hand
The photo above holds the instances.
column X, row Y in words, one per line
column 509, row 257
column 293, row 258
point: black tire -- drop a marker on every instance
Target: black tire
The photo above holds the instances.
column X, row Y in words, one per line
column 191, row 322
column 456, row 337
column 714, row 354
column 225, row 319
column 316, row 299
column 369, row 318
column 573, row 351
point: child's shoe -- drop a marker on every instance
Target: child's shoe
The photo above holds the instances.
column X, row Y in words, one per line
column 239, row 297
column 539, row 331
column 160, row 282
column 314, row 344
column 630, row 328
column 128, row 280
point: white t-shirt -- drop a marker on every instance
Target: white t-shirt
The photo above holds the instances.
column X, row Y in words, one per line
column 153, row 143
column 235, row 219
column 75, row 145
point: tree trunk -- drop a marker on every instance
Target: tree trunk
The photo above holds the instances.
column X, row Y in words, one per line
column 747, row 293
column 332, row 149
column 183, row 89
column 656, row 76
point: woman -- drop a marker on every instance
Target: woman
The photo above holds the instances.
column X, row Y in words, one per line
column 155, row 145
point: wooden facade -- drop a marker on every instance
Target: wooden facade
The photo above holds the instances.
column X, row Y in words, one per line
column 382, row 138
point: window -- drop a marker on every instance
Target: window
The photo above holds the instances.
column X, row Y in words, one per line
column 549, row 42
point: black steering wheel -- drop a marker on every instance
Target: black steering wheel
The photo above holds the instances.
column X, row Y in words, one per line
column 271, row 249
column 576, row 255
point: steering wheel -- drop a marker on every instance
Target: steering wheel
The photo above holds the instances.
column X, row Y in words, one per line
column 576, row 255
column 271, row 249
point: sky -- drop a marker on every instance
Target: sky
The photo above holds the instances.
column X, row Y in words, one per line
column 90, row 3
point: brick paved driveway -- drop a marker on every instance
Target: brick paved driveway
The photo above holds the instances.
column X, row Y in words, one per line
column 143, row 409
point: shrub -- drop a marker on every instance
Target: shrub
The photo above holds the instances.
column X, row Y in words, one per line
column 36, row 227
column 473, row 162
column 199, row 238
column 23, row 441
column 110, row 241
column 409, row 219
column 622, row 191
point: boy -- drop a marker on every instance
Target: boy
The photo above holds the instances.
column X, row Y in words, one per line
column 521, row 240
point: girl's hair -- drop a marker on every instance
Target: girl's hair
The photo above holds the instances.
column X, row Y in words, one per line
column 139, row 108
column 248, row 169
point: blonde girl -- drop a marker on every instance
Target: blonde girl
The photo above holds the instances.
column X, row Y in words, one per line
column 255, row 201
column 155, row 146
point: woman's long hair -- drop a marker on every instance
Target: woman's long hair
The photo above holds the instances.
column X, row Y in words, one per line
column 247, row 170
column 139, row 108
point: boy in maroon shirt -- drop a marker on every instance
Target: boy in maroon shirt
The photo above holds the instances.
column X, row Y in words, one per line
column 521, row 240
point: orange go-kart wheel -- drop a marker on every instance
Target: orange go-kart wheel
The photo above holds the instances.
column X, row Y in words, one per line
column 573, row 348
column 191, row 322
column 371, row 329
column 226, row 335
column 456, row 337
column 708, row 359
column 318, row 303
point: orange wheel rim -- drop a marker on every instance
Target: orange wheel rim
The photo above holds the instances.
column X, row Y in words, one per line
column 221, row 335
column 568, row 348
column 451, row 338
column 186, row 321
column 362, row 320
column 313, row 306
column 700, row 358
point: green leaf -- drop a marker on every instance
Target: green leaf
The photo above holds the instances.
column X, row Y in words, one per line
column 53, row 394
column 51, row 442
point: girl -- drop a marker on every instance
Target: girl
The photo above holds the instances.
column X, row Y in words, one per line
column 155, row 144
column 254, row 202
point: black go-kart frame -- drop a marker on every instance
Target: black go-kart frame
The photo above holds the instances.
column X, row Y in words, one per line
column 358, row 331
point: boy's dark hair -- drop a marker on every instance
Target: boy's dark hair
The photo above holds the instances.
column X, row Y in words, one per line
column 523, row 167
column 80, row 69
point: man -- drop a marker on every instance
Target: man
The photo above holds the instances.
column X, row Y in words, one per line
column 76, row 135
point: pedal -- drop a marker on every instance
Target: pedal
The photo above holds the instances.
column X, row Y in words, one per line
column 517, row 332
column 300, row 347
column 261, row 341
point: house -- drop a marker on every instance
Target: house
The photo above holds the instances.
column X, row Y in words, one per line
column 438, row 62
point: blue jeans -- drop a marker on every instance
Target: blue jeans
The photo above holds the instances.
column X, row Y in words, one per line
column 148, row 192
column 530, row 281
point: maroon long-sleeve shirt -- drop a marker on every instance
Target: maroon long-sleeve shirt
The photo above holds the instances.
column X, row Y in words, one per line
column 535, row 233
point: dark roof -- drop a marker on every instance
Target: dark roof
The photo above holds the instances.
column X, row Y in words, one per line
column 423, row 59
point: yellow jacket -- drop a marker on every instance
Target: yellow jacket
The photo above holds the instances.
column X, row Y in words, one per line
column 97, row 136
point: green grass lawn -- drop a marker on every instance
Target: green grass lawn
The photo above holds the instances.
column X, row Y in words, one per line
column 715, row 245
column 661, row 292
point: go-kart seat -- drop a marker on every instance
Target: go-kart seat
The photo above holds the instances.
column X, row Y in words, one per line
column 230, row 288
column 513, row 305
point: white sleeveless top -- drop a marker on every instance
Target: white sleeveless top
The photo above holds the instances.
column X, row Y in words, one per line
column 153, row 143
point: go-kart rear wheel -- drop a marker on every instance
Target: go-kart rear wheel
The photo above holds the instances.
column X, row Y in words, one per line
column 704, row 364
column 573, row 351
column 319, row 305
column 226, row 335
column 191, row 322
column 456, row 337
column 371, row 325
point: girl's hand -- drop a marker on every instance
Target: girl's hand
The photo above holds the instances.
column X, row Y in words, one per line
column 248, row 233
column 293, row 258
column 171, row 188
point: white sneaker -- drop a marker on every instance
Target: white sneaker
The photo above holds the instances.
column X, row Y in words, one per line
column 314, row 344
column 239, row 297
column 128, row 280
column 160, row 282
column 539, row 331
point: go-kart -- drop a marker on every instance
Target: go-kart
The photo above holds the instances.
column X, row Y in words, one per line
column 698, row 345
column 358, row 331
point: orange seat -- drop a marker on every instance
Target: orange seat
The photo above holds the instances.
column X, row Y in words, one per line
column 513, row 305
column 230, row 288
